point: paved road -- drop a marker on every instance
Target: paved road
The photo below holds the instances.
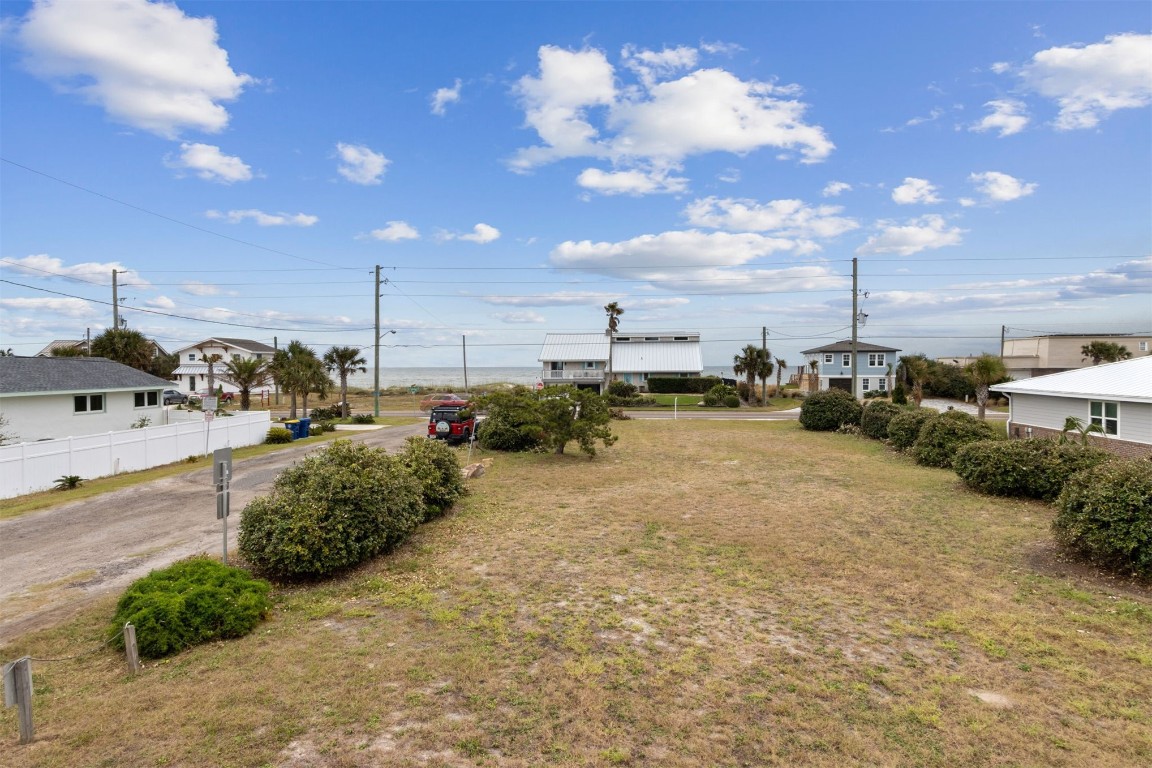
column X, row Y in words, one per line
column 53, row 562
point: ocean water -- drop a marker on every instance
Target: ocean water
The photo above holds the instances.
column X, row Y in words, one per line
column 448, row 378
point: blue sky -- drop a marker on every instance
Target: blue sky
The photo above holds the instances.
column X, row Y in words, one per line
column 513, row 167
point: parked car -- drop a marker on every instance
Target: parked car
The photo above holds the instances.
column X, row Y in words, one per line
column 441, row 399
column 454, row 422
column 225, row 397
column 172, row 396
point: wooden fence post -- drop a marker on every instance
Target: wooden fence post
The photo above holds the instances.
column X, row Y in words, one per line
column 18, row 693
column 130, row 652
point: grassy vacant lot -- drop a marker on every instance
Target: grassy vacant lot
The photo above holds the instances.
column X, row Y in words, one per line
column 702, row 594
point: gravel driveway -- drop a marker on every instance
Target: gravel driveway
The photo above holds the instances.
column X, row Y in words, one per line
column 54, row 561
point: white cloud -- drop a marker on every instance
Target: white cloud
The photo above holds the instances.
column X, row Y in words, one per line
column 1091, row 82
column 835, row 188
column 577, row 110
column 1000, row 67
column 210, row 164
column 395, row 231
column 445, row 96
column 197, row 288
column 525, row 317
column 790, row 218
column 35, row 308
column 146, row 64
column 160, row 302
column 926, row 232
column 557, row 299
column 481, row 233
column 360, row 165
column 43, row 266
column 266, row 219
column 634, row 182
column 1000, row 187
column 1008, row 116
column 915, row 191
column 728, row 176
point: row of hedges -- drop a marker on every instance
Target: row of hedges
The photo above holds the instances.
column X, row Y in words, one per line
column 675, row 385
column 1104, row 504
column 338, row 507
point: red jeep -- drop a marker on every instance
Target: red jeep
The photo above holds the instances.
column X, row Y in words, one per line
column 452, row 421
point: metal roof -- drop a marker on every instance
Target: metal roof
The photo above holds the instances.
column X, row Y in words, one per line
column 1129, row 380
column 574, row 347
column 657, row 357
column 39, row 375
column 846, row 346
column 246, row 345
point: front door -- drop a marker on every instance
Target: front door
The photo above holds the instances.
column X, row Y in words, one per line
column 191, row 383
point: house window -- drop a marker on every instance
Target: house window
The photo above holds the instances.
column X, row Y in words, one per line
column 145, row 399
column 1143, row 346
column 846, row 360
column 235, row 356
column 685, row 338
column 258, row 356
column 867, row 385
column 883, row 385
column 589, row 365
column 1105, row 415
column 827, row 358
column 88, row 403
column 875, row 359
column 192, row 356
column 555, row 366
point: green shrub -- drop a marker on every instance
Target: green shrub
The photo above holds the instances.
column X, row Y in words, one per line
column 942, row 436
column 330, row 511
column 325, row 414
column 1033, row 468
column 899, row 395
column 363, row 418
column 68, row 482
column 731, row 401
column 436, row 467
column 674, row 385
column 905, row 427
column 194, row 601
column 1105, row 513
column 828, row 410
column 315, row 429
column 499, row 432
column 278, row 435
column 622, row 389
column 875, row 417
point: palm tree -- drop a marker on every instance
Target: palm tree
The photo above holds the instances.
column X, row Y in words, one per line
column 212, row 359
column 914, row 370
column 813, row 375
column 614, row 311
column 781, row 364
column 124, row 346
column 1073, row 424
column 983, row 372
column 315, row 379
column 764, row 370
column 291, row 370
column 749, row 364
column 344, row 361
column 246, row 374
column 1104, row 351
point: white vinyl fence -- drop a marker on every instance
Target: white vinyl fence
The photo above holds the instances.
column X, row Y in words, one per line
column 30, row 467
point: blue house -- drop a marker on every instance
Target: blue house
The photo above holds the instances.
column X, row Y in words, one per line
column 875, row 366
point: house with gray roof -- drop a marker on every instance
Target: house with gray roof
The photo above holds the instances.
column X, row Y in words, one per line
column 874, row 366
column 582, row 359
column 192, row 373
column 1117, row 397
column 52, row 397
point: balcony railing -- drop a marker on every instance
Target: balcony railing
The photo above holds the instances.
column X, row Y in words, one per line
column 580, row 374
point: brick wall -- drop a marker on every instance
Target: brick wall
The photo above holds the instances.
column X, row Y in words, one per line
column 1123, row 448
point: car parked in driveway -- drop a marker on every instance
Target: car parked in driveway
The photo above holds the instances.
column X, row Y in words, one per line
column 223, row 397
column 174, row 397
column 432, row 401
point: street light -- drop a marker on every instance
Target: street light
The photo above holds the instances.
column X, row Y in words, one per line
column 376, row 380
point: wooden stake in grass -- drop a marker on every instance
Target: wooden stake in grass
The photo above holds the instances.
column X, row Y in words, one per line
column 130, row 651
column 18, row 693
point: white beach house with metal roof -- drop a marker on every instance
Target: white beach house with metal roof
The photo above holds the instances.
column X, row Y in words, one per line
column 582, row 358
column 1115, row 396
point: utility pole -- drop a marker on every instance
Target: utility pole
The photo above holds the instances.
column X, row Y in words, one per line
column 115, row 304
column 854, row 323
column 464, row 347
column 764, row 353
column 275, row 381
column 376, row 378
column 1003, row 330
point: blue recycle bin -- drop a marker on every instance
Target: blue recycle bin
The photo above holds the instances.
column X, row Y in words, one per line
column 303, row 427
column 293, row 426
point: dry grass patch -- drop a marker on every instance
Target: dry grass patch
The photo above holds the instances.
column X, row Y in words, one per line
column 702, row 593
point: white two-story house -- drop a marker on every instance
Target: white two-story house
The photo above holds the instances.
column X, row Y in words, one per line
column 192, row 374
column 581, row 359
column 875, row 366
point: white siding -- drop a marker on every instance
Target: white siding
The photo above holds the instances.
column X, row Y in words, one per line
column 1135, row 419
column 40, row 417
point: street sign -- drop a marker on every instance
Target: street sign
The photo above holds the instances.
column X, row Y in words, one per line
column 222, row 476
column 413, row 390
column 539, row 385
column 208, row 404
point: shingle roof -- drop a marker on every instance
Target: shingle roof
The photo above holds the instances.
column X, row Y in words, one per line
column 1129, row 380
column 846, row 346
column 28, row 375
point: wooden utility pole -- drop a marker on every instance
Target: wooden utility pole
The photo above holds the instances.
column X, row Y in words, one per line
column 764, row 353
column 115, row 304
column 1003, row 330
column 464, row 347
column 376, row 378
column 854, row 323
